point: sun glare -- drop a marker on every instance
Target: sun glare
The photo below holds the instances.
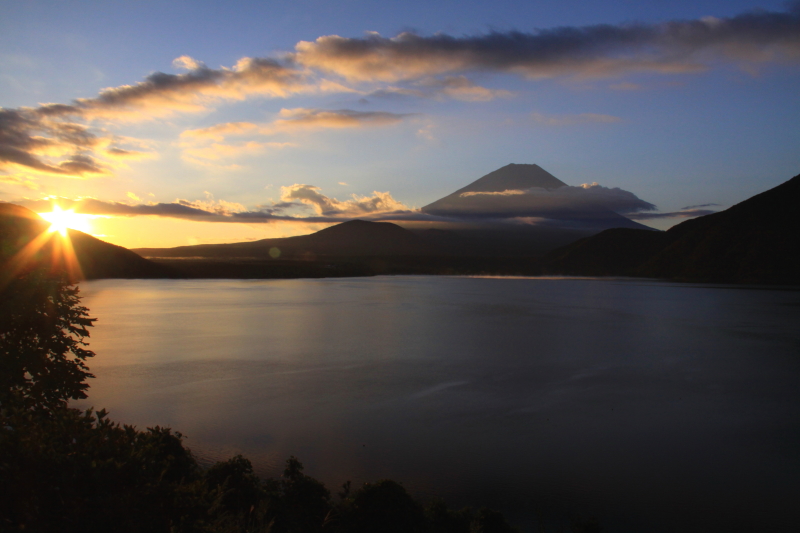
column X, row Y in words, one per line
column 61, row 220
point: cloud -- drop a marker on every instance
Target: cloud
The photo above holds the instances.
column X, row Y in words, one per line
column 588, row 201
column 296, row 119
column 379, row 202
column 219, row 132
column 163, row 94
column 302, row 118
column 587, row 51
column 36, row 143
column 572, row 120
column 461, row 88
column 63, row 139
column 510, row 192
column 690, row 211
column 395, row 93
column 120, row 153
column 188, row 63
column 698, row 206
column 683, row 213
column 378, row 206
column 572, row 202
column 426, row 133
column 20, row 181
column 56, row 139
column 455, row 87
column 209, row 144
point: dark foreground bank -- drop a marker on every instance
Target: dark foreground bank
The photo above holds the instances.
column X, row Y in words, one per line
column 67, row 470
column 72, row 471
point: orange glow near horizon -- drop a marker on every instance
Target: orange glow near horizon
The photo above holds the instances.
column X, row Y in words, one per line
column 61, row 220
column 60, row 251
column 167, row 232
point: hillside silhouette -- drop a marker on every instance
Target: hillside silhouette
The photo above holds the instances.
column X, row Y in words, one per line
column 354, row 238
column 753, row 242
column 24, row 233
column 473, row 235
column 756, row 241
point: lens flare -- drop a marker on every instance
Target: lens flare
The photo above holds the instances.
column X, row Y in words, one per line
column 61, row 220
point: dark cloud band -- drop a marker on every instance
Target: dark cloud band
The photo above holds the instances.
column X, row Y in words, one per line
column 600, row 50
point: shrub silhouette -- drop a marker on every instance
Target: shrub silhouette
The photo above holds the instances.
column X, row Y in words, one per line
column 42, row 333
column 72, row 471
column 383, row 506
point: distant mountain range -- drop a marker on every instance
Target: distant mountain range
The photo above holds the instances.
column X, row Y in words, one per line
column 355, row 238
column 474, row 223
column 756, row 242
column 25, row 243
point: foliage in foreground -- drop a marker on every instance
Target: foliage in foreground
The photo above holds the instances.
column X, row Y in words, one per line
column 42, row 342
column 67, row 470
column 72, row 471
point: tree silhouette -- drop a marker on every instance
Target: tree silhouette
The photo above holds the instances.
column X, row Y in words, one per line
column 42, row 342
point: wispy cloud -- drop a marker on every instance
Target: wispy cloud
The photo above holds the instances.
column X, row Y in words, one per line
column 302, row 118
column 64, row 139
column 34, row 142
column 585, row 51
column 379, row 202
column 213, row 143
column 56, row 139
column 163, row 94
column 296, row 200
column 452, row 87
column 683, row 213
column 580, row 201
column 20, row 181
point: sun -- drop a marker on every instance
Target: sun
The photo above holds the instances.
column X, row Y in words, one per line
column 61, row 220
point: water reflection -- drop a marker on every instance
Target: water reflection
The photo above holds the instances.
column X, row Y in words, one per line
column 646, row 404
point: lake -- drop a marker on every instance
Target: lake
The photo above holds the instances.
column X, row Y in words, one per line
column 651, row 406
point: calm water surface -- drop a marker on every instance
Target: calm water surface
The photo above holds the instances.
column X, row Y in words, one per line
column 651, row 406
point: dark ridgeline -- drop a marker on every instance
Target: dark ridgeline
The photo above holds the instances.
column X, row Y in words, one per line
column 20, row 227
column 355, row 238
column 755, row 242
column 353, row 248
column 468, row 238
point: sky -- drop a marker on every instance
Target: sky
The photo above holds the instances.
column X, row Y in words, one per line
column 175, row 123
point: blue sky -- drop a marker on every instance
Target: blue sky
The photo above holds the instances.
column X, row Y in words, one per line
column 680, row 103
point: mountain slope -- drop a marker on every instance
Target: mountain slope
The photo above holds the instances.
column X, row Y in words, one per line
column 25, row 243
column 515, row 191
column 355, row 238
column 756, row 241
column 613, row 252
column 512, row 177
